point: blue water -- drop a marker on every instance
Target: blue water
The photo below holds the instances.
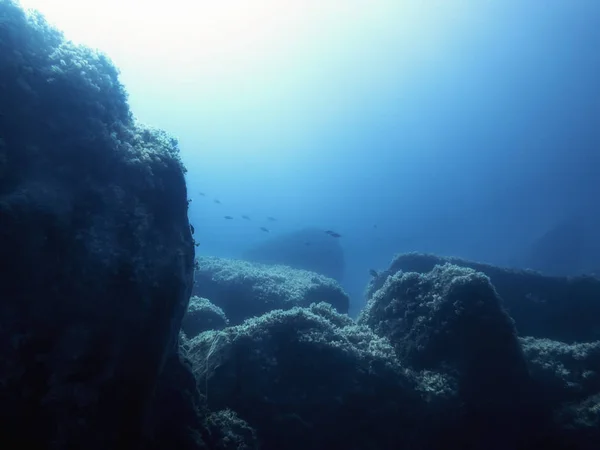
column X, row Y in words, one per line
column 471, row 135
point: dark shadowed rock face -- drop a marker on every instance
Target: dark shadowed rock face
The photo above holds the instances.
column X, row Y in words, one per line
column 309, row 249
column 569, row 376
column 97, row 256
column 451, row 320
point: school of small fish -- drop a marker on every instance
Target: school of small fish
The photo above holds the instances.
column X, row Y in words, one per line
column 332, row 233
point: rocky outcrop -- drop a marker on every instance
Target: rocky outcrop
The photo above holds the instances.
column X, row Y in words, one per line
column 308, row 249
column 433, row 362
column 450, row 320
column 558, row 308
column 243, row 290
column 97, row 254
column 569, row 377
column 310, row 378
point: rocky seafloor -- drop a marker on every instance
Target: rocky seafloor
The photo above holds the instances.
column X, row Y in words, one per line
column 434, row 360
column 108, row 342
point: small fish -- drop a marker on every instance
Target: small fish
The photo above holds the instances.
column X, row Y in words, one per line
column 192, row 228
column 333, row 234
column 307, row 244
column 373, row 273
column 217, row 201
column 202, row 194
column 375, row 226
column 245, row 217
column 266, row 230
column 271, row 219
column 228, row 217
column 197, row 244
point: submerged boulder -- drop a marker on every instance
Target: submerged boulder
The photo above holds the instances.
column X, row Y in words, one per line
column 202, row 315
column 569, row 377
column 559, row 308
column 569, row 372
column 451, row 320
column 308, row 249
column 310, row 378
column 97, row 254
column 243, row 289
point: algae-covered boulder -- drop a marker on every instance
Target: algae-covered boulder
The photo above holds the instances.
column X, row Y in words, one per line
column 568, row 375
column 310, row 378
column 451, row 320
column 97, row 254
column 202, row 315
column 559, row 308
column 451, row 314
column 569, row 372
column 243, row 289
column 226, row 431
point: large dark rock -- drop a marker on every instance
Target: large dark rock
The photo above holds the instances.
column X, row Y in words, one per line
column 309, row 249
column 569, row 372
column 309, row 378
column 569, row 377
column 243, row 289
column 559, row 308
column 451, row 320
column 177, row 418
column 97, row 256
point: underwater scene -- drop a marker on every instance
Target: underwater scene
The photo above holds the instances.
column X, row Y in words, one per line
column 300, row 225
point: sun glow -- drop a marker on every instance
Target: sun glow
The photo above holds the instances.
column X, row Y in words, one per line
column 214, row 35
column 238, row 35
column 272, row 73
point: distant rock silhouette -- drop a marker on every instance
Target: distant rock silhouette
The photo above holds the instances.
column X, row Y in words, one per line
column 308, row 249
column 572, row 247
